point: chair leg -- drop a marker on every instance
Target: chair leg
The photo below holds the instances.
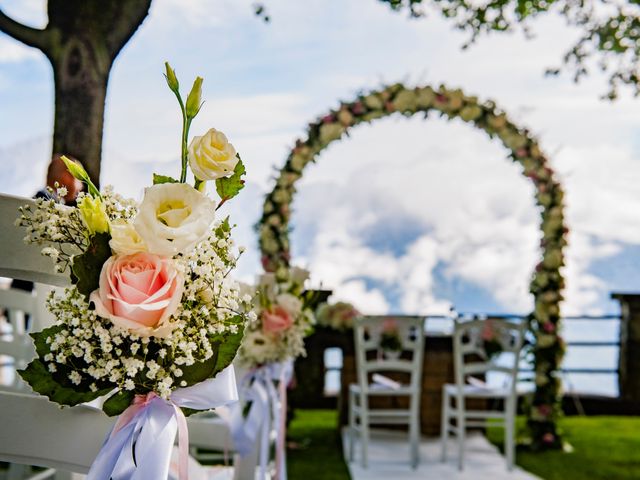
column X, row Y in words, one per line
column 364, row 431
column 461, row 431
column 414, row 439
column 509, row 435
column 351, row 431
column 444, row 427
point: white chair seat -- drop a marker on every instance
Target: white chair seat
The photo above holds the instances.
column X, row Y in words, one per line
column 382, row 390
column 474, row 391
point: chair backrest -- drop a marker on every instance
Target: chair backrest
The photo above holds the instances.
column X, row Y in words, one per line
column 36, row 431
column 24, row 262
column 16, row 347
column 370, row 358
column 17, row 259
column 471, row 342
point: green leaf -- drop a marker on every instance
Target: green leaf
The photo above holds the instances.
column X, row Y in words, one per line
column 191, row 411
column 229, row 187
column 40, row 339
column 224, row 351
column 118, row 402
column 158, row 179
column 200, row 371
column 224, row 228
column 41, row 380
column 87, row 266
column 227, row 350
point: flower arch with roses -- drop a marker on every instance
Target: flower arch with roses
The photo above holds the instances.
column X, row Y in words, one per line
column 547, row 282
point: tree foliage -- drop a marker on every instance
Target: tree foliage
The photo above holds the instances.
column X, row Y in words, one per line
column 609, row 31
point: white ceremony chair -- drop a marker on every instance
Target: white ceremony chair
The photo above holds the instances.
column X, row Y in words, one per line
column 369, row 362
column 470, row 358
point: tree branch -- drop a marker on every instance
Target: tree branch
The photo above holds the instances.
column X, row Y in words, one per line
column 27, row 35
column 128, row 15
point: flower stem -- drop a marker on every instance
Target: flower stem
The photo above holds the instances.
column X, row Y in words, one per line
column 186, row 123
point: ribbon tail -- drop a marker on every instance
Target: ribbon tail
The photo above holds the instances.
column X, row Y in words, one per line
column 155, row 441
column 113, row 449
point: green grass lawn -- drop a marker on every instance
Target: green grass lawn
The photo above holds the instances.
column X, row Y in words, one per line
column 318, row 447
column 604, row 448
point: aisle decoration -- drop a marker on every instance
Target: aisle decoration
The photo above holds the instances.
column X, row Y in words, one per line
column 547, row 281
column 280, row 319
column 490, row 338
column 153, row 318
column 390, row 341
column 338, row 316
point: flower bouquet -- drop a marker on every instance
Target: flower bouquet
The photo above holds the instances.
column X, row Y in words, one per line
column 390, row 341
column 280, row 319
column 338, row 316
column 490, row 338
column 152, row 319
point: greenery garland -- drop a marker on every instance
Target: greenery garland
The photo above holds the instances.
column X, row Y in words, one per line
column 547, row 281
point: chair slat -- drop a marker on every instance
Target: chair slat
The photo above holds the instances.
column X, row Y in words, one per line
column 17, row 259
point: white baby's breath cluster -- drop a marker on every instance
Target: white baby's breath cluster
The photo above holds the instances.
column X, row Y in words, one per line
column 90, row 350
column 58, row 228
column 283, row 295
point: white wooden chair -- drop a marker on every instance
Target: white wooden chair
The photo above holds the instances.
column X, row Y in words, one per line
column 471, row 358
column 369, row 362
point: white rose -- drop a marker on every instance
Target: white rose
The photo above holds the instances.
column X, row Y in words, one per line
column 257, row 346
column 211, row 156
column 268, row 285
column 291, row 303
column 173, row 218
column 299, row 275
column 124, row 238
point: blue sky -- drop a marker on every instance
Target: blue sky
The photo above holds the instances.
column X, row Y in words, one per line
column 405, row 215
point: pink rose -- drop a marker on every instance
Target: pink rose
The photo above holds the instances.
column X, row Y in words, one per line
column 276, row 320
column 139, row 292
column 488, row 332
column 389, row 325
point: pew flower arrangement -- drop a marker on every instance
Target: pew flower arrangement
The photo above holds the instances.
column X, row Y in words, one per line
column 282, row 318
column 390, row 341
column 338, row 316
column 152, row 307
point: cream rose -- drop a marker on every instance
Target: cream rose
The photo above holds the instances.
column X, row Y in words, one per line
column 211, row 156
column 173, row 218
column 125, row 240
column 291, row 303
column 139, row 292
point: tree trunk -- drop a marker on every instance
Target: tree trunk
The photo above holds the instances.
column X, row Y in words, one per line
column 81, row 40
column 80, row 92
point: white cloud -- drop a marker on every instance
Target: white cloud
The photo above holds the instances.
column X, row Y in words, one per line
column 12, row 51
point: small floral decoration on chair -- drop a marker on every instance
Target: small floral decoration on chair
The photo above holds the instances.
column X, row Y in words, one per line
column 390, row 341
column 338, row 316
column 152, row 306
column 490, row 336
column 280, row 319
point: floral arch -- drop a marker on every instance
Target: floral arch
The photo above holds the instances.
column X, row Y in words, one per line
column 547, row 282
